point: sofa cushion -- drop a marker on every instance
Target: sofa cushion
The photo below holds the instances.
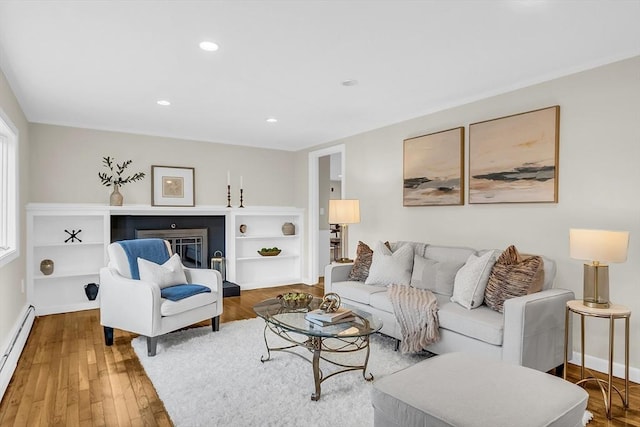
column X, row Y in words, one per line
column 471, row 280
column 390, row 267
column 511, row 276
column 436, row 276
column 482, row 323
column 357, row 291
column 381, row 301
column 360, row 269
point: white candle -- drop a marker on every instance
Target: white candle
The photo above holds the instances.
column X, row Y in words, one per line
column 228, row 178
column 240, row 181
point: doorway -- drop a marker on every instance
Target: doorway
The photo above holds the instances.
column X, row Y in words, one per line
column 320, row 184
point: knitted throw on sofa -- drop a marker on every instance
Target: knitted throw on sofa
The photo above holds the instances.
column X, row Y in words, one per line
column 416, row 311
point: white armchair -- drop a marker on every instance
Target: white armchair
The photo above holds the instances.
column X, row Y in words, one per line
column 138, row 306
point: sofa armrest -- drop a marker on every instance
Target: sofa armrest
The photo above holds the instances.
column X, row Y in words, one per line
column 336, row 272
column 132, row 305
column 534, row 329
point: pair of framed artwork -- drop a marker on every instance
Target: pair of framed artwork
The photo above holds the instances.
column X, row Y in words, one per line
column 512, row 159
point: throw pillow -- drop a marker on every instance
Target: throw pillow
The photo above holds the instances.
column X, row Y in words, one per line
column 390, row 267
column 471, row 280
column 511, row 277
column 360, row 270
column 168, row 274
column 436, row 276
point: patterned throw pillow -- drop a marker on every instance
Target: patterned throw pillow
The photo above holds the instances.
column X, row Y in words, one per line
column 511, row 277
column 364, row 256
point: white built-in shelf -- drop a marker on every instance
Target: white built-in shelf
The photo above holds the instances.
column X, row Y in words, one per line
column 55, row 245
column 270, row 258
column 267, row 237
column 79, row 263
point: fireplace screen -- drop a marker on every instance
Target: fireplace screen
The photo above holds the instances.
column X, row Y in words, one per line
column 189, row 243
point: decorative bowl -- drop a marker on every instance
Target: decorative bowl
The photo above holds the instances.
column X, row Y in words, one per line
column 295, row 300
column 270, row 252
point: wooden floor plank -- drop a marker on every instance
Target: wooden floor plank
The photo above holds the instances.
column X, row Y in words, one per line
column 66, row 376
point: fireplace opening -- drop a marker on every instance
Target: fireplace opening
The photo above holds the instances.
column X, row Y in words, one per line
column 191, row 244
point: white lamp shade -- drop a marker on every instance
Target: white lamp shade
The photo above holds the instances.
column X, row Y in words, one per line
column 598, row 245
column 344, row 211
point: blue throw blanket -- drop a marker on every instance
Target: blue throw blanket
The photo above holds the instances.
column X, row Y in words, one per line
column 178, row 292
column 153, row 250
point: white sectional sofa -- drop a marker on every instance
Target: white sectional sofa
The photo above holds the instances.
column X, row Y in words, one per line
column 529, row 333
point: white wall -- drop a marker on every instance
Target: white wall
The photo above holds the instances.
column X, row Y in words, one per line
column 65, row 162
column 12, row 299
column 598, row 185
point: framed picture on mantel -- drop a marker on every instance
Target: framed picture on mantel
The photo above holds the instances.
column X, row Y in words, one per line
column 172, row 186
column 514, row 159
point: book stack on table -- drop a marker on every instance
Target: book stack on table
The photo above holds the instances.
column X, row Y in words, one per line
column 322, row 318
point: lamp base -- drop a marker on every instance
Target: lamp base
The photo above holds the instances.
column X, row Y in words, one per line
column 594, row 304
column 596, row 286
column 344, row 260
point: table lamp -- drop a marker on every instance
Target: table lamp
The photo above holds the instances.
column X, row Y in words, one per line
column 344, row 212
column 598, row 247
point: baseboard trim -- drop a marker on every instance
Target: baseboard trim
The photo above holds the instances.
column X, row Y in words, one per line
column 14, row 346
column 602, row 365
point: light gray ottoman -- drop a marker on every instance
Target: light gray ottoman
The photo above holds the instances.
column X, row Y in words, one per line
column 463, row 390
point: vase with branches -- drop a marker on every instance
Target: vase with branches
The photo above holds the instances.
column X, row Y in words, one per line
column 117, row 178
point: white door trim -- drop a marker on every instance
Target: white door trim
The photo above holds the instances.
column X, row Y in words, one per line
column 314, row 235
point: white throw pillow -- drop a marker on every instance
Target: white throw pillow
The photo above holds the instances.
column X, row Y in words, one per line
column 168, row 274
column 390, row 267
column 471, row 280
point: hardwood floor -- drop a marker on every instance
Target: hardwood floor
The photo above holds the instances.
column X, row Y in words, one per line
column 66, row 376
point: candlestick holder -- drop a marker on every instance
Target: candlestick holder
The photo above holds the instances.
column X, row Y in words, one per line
column 241, row 199
column 228, row 195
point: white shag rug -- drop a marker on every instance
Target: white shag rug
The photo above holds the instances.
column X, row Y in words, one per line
column 210, row 378
column 217, row 379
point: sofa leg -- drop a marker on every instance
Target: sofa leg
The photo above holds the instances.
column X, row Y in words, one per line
column 559, row 371
column 152, row 344
column 108, row 335
column 397, row 345
column 215, row 323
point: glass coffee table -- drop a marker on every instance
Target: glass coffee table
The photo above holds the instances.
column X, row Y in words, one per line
column 290, row 325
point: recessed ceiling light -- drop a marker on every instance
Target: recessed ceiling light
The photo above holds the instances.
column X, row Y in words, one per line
column 163, row 102
column 272, row 120
column 208, row 46
column 350, row 82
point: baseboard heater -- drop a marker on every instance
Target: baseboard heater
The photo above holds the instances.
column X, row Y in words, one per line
column 9, row 360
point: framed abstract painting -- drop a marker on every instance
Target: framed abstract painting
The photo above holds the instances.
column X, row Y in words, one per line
column 434, row 169
column 514, row 159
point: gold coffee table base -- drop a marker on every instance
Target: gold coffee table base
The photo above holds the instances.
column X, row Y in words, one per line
column 317, row 346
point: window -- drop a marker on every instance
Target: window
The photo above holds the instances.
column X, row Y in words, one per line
column 8, row 191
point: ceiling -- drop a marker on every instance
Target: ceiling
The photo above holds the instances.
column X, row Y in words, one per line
column 104, row 64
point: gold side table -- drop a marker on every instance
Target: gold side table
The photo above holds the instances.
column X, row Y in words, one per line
column 615, row 311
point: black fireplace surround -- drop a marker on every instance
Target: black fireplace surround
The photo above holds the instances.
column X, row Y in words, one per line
column 124, row 227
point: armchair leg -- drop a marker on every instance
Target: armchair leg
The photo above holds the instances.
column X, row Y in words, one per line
column 215, row 323
column 152, row 344
column 397, row 345
column 108, row 335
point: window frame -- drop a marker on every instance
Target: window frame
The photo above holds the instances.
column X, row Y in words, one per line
column 9, row 194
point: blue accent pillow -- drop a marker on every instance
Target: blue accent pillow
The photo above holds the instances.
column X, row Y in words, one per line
column 178, row 292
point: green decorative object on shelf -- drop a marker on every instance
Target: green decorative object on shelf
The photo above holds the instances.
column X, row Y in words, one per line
column 270, row 251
